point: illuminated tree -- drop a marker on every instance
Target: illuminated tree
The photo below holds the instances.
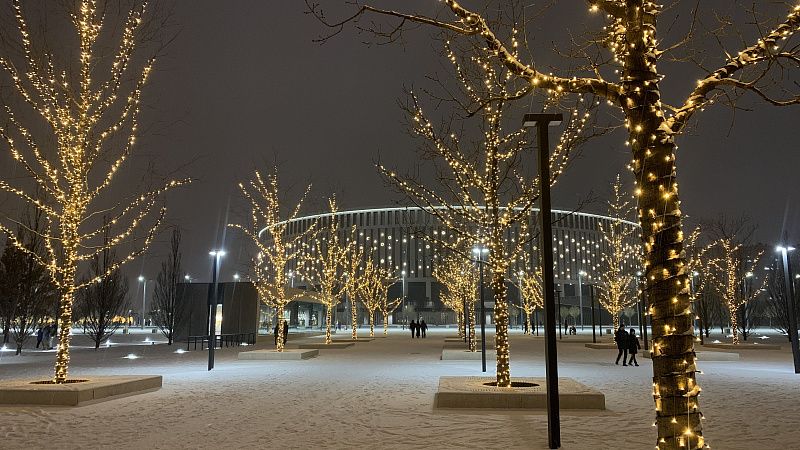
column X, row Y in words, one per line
column 620, row 255
column 331, row 252
column 372, row 288
column 82, row 129
column 386, row 307
column 531, row 291
column 458, row 276
column 622, row 67
column 267, row 230
column 487, row 195
column 728, row 276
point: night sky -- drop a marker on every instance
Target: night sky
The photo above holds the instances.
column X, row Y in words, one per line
column 244, row 85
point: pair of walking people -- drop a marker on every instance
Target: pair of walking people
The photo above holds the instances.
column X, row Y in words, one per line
column 418, row 328
column 627, row 344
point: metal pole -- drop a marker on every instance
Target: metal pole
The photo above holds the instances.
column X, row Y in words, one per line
column 483, row 316
column 580, row 298
column 144, row 292
column 591, row 298
column 787, row 279
column 466, row 313
column 558, row 296
column 212, row 340
column 550, row 351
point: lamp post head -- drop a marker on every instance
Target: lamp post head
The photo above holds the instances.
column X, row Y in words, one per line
column 236, row 276
column 582, row 273
column 748, row 275
column 784, row 248
column 187, row 277
column 217, row 253
column 141, row 278
column 639, row 273
column 696, row 273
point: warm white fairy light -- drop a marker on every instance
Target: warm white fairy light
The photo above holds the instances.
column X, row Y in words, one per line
column 86, row 118
column 275, row 250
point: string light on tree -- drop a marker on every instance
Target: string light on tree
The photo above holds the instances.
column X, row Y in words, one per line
column 91, row 125
column 274, row 250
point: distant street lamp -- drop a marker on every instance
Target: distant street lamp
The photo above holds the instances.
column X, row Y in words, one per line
column 236, row 277
column 787, row 278
column 188, row 278
column 213, row 300
column 480, row 252
column 143, row 280
column 580, row 294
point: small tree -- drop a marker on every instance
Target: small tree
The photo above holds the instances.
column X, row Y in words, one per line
column 531, row 293
column 25, row 285
column 775, row 305
column 100, row 303
column 373, row 290
column 457, row 275
column 331, row 253
column 168, row 307
column 619, row 257
column 729, row 277
column 275, row 248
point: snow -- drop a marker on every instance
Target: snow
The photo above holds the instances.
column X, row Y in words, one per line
column 379, row 394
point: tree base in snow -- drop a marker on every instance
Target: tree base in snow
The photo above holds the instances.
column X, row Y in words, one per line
column 477, row 393
column 288, row 354
column 324, row 346
column 76, row 392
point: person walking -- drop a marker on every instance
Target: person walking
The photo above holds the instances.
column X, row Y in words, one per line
column 46, row 337
column 285, row 333
column 621, row 338
column 424, row 327
column 419, row 328
column 413, row 327
column 633, row 347
column 275, row 331
column 39, row 336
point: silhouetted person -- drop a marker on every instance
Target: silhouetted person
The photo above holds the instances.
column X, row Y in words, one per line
column 275, row 332
column 419, row 327
column 285, row 332
column 424, row 327
column 633, row 347
column 621, row 337
column 413, row 327
column 39, row 336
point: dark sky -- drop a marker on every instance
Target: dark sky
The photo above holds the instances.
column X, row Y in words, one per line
column 243, row 85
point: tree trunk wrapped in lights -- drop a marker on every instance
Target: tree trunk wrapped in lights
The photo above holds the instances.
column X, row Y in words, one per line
column 90, row 129
column 531, row 290
column 332, row 251
column 267, row 231
column 630, row 37
column 727, row 275
column 617, row 278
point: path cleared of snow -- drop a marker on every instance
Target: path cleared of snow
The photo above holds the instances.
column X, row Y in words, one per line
column 379, row 394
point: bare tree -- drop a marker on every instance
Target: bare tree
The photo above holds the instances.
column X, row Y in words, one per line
column 100, row 304
column 71, row 126
column 168, row 308
column 622, row 67
column 775, row 305
column 27, row 291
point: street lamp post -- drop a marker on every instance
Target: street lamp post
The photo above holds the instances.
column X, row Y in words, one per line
column 144, row 280
column 580, row 295
column 213, row 300
column 591, row 299
column 787, row 278
column 560, row 319
column 542, row 122
column 480, row 252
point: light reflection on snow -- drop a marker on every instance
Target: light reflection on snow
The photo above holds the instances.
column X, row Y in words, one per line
column 131, row 356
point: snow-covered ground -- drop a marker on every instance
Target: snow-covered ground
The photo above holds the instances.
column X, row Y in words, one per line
column 379, row 395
